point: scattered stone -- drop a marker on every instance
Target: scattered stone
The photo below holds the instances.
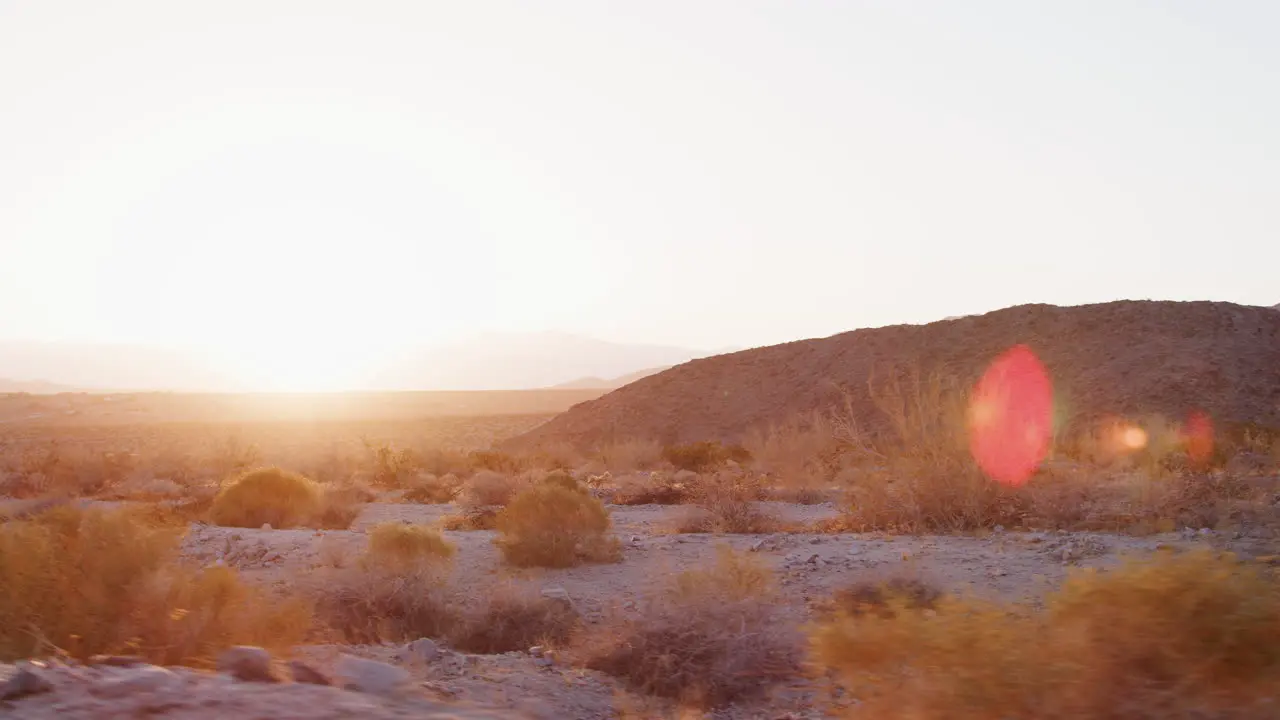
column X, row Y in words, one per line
column 371, row 676
column 304, row 673
column 266, row 526
column 247, row 663
column 123, row 661
column 28, row 680
column 543, row 662
column 146, row 679
column 537, row 651
column 423, row 650
column 756, row 546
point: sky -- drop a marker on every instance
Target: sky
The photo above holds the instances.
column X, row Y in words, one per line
column 261, row 179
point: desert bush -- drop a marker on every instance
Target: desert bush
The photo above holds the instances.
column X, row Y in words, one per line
column 725, row 503
column 391, row 468
column 549, row 526
column 507, row 620
column 431, row 490
column 91, row 581
column 1191, row 636
column 630, row 455
column 704, row 456
column 564, row 479
column 283, row 500
column 369, row 603
column 651, row 489
column 495, row 461
column 480, row 518
column 395, row 544
column 488, row 488
column 268, row 495
column 707, row 638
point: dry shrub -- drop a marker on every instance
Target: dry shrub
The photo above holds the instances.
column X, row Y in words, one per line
column 709, row 637
column 370, row 603
column 283, row 500
column 397, row 545
column 432, row 490
column 727, row 504
column 483, row 518
column 508, row 620
column 488, row 488
column 1196, row 636
column 495, row 461
column 549, row 526
column 651, row 489
column 704, row 456
column 630, row 455
column 389, row 467
column 883, row 597
column 920, row 476
column 268, row 495
column 564, row 479
column 92, row 581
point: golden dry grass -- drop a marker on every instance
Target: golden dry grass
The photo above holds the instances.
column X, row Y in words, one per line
column 706, row 638
column 1192, row 636
column 90, row 582
column 397, row 545
column 550, row 526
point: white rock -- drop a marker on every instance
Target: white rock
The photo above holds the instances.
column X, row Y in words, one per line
column 266, row 526
column 422, row 649
column 370, row 676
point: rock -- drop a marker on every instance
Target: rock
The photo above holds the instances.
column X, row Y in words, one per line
column 266, row 526
column 756, row 546
column 371, row 676
column 304, row 673
column 141, row 680
column 117, row 660
column 537, row 651
column 815, row 541
column 422, row 650
column 543, row 662
column 247, row 663
column 28, row 680
column 558, row 594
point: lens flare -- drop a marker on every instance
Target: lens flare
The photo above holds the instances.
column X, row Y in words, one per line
column 1133, row 437
column 1011, row 416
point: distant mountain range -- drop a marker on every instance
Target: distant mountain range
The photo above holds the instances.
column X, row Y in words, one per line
column 595, row 383
column 493, row 361
column 509, row 361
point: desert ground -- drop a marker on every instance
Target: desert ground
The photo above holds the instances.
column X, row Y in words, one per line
column 633, row 579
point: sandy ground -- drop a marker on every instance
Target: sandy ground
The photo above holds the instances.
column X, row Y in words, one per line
column 1003, row 565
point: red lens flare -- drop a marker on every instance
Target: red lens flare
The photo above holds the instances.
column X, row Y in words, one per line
column 1198, row 436
column 1011, row 417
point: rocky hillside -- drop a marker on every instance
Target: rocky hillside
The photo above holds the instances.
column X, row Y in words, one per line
column 1127, row 357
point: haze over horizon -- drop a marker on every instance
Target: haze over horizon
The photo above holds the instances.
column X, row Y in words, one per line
column 302, row 193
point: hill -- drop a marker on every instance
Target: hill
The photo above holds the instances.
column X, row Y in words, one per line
column 595, row 383
column 1127, row 357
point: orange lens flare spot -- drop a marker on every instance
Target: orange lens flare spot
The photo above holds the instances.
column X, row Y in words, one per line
column 1011, row 417
column 1133, row 438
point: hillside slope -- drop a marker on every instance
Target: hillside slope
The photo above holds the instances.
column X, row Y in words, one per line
column 1126, row 357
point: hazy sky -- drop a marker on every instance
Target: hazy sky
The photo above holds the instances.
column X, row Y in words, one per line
column 343, row 178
